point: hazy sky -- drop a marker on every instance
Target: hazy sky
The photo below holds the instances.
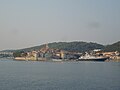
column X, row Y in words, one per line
column 25, row 23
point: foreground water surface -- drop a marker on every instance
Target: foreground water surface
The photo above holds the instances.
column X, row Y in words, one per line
column 31, row 75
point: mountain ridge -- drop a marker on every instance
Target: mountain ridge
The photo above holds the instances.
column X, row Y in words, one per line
column 77, row 46
column 113, row 47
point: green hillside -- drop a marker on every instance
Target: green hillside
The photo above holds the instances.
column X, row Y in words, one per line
column 113, row 47
column 74, row 46
column 69, row 46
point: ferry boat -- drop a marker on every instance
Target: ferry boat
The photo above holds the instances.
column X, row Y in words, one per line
column 88, row 57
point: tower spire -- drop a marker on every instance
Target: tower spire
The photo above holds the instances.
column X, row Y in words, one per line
column 47, row 47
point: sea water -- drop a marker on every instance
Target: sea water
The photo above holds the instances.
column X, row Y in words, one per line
column 36, row 75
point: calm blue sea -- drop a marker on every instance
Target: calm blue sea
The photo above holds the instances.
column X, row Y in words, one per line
column 33, row 75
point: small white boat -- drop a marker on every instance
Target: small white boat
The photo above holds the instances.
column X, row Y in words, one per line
column 57, row 60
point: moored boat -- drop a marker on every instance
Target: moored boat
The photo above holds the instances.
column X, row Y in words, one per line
column 57, row 60
column 88, row 57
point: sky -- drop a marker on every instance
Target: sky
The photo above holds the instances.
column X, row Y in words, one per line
column 26, row 23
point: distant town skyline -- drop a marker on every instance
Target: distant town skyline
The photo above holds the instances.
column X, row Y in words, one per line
column 26, row 23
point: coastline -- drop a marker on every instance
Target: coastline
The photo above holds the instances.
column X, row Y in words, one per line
column 59, row 60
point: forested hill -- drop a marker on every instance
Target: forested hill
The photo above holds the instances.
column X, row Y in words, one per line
column 113, row 47
column 74, row 46
column 69, row 46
